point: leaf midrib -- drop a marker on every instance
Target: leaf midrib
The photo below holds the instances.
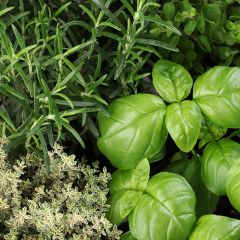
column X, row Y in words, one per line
column 142, row 116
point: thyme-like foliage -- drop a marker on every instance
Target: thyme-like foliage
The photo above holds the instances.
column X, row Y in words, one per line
column 68, row 203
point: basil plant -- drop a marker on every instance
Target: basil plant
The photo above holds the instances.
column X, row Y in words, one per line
column 178, row 202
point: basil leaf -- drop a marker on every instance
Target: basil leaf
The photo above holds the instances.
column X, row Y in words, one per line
column 210, row 132
column 233, row 185
column 126, row 188
column 135, row 179
column 217, row 92
column 216, row 162
column 183, row 122
column 165, row 210
column 172, row 81
column 133, row 129
column 122, row 203
column 206, row 202
column 211, row 227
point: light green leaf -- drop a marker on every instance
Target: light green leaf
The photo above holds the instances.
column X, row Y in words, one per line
column 217, row 92
column 128, row 6
column 101, row 5
column 233, row 185
column 165, row 24
column 73, row 132
column 122, row 203
column 157, row 43
column 2, row 12
column 165, row 210
column 135, row 179
column 132, row 130
column 45, row 151
column 7, row 120
column 211, row 227
column 61, row 9
column 19, row 38
column 126, row 188
column 89, row 13
column 183, row 121
column 14, row 95
column 217, row 159
column 171, row 80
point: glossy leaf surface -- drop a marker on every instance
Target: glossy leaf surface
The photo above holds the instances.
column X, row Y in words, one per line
column 211, row 227
column 132, row 130
column 233, row 185
column 172, row 81
column 126, row 188
column 206, row 201
column 217, row 159
column 183, row 122
column 165, row 210
column 122, row 203
column 134, row 179
column 217, row 92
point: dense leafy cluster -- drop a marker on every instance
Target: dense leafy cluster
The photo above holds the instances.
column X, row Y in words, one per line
column 68, row 203
column 210, row 33
column 58, row 58
column 165, row 205
column 63, row 62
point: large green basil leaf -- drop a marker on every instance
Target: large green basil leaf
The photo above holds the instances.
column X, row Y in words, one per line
column 217, row 92
column 126, row 188
column 165, row 210
column 217, row 159
column 183, row 122
column 210, row 227
column 210, row 132
column 206, row 202
column 171, row 80
column 233, row 185
column 132, row 130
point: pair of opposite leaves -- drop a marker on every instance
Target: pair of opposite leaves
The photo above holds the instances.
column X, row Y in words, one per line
column 136, row 126
column 163, row 208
